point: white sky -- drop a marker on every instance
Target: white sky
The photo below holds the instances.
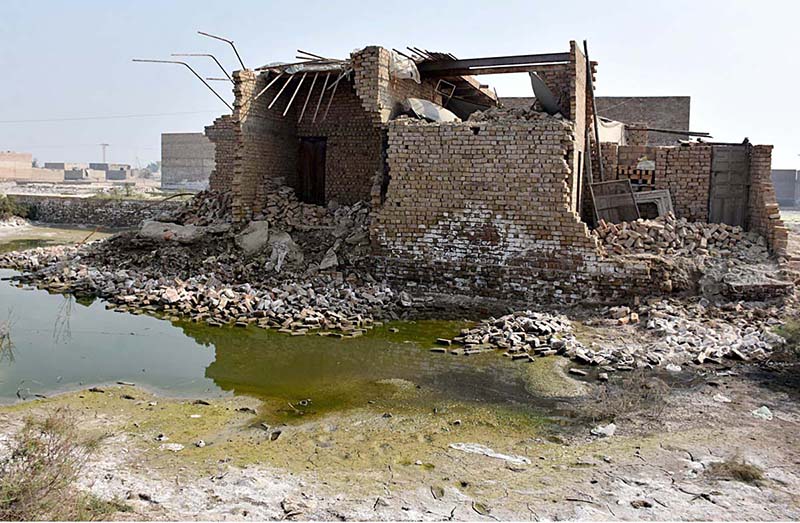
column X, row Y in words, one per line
column 72, row 59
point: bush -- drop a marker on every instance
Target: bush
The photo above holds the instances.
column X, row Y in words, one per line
column 37, row 474
column 9, row 208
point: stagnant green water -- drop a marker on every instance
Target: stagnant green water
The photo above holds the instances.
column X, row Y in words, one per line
column 60, row 343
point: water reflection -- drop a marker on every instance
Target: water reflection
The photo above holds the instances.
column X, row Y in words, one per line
column 64, row 343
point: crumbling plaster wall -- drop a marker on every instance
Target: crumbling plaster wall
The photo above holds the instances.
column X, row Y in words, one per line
column 483, row 208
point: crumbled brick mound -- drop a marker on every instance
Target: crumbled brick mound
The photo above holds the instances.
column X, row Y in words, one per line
column 522, row 335
column 205, row 208
column 670, row 235
column 517, row 113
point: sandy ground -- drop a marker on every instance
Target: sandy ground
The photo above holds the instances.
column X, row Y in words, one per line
column 362, row 464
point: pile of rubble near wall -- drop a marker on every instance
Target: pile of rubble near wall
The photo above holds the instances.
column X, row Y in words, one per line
column 287, row 269
column 724, row 259
column 665, row 333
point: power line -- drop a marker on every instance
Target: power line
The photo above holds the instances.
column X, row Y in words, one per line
column 110, row 117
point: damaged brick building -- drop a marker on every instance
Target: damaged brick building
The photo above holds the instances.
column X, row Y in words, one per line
column 481, row 201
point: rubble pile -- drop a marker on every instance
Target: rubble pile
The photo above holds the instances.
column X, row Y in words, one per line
column 687, row 333
column 506, row 113
column 323, row 303
column 522, row 335
column 670, row 235
column 670, row 333
column 205, row 208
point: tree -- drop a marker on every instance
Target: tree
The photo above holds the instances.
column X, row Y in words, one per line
column 154, row 167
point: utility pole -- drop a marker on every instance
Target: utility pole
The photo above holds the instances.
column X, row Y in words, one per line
column 104, row 145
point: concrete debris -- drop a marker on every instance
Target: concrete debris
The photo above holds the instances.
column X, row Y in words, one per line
column 763, row 412
column 719, row 398
column 254, row 237
column 604, row 431
column 162, row 231
column 476, row 448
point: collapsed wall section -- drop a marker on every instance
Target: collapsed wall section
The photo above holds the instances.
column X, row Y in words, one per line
column 763, row 213
column 222, row 135
column 483, row 208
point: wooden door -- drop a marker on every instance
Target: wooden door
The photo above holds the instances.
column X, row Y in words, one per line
column 311, row 170
column 730, row 182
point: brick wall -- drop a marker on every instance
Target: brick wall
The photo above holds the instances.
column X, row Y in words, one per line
column 764, row 214
column 685, row 170
column 187, row 160
column 483, row 208
column 222, row 134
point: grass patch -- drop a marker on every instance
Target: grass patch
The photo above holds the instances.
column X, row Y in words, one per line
column 736, row 469
column 38, row 473
column 790, row 331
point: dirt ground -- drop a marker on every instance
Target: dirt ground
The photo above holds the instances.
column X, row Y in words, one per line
column 369, row 463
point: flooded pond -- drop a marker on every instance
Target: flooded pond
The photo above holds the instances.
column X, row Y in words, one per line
column 62, row 343
column 36, row 235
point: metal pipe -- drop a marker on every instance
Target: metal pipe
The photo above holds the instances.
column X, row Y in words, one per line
column 189, row 67
column 288, row 81
column 264, row 90
column 225, row 40
column 291, row 100
column 328, row 108
column 210, row 56
column 312, row 54
column 321, row 96
column 308, row 97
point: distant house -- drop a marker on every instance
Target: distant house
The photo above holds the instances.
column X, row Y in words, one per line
column 787, row 189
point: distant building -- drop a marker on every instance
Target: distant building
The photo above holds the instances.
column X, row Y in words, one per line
column 187, row 160
column 787, row 186
column 656, row 112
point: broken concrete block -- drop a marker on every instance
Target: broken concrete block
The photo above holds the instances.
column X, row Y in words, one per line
column 254, row 237
column 163, row 231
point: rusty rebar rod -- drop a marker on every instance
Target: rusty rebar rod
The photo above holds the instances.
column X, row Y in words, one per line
column 209, row 56
column 193, row 72
column 227, row 41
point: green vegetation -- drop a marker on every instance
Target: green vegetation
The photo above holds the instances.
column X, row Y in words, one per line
column 37, row 476
column 9, row 207
column 790, row 330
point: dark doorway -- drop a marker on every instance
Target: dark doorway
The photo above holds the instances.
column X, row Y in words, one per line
column 730, row 179
column 311, row 170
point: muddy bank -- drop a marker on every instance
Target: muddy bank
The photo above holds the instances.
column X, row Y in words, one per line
column 410, row 464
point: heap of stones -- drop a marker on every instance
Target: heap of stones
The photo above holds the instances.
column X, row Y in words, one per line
column 521, row 335
column 205, row 208
column 670, row 333
column 673, row 236
column 324, row 304
column 517, row 113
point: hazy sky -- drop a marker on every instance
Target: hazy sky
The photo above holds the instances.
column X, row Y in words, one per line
column 738, row 60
